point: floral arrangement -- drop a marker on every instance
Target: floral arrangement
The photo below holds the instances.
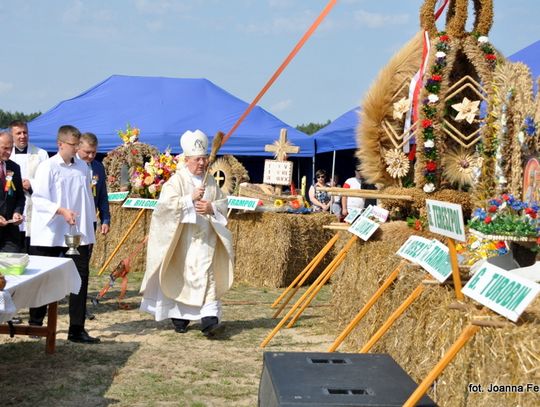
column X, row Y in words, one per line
column 147, row 181
column 508, row 218
column 130, row 135
column 429, row 110
column 486, row 48
column 475, row 249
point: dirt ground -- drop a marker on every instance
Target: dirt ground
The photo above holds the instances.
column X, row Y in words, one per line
column 144, row 363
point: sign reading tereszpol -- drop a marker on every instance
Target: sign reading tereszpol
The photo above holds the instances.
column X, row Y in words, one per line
column 502, row 291
column 446, row 219
column 240, row 202
column 140, row 203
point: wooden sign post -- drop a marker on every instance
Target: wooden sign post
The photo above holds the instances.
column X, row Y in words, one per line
column 446, row 219
column 279, row 172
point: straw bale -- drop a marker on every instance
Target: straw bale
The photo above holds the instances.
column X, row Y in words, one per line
column 273, row 248
column 121, row 220
column 422, row 335
column 403, row 209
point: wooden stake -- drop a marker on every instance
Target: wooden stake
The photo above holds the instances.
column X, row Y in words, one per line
column 303, row 276
column 356, row 320
column 390, row 321
column 304, row 296
column 466, row 334
column 455, row 269
column 124, row 238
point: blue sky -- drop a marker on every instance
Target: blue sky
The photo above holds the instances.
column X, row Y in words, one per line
column 56, row 49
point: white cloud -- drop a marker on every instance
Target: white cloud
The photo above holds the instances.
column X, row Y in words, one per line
column 377, row 20
column 280, row 25
column 73, row 13
column 161, row 7
column 281, row 106
column 5, row 87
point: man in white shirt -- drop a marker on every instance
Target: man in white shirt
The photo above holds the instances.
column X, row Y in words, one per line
column 28, row 156
column 350, row 202
column 63, row 204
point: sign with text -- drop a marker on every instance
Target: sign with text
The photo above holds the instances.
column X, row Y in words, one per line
column 414, row 248
column 363, row 227
column 436, row 261
column 377, row 212
column 140, row 203
column 240, row 202
column 117, row 196
column 352, row 215
column 277, row 172
column 446, row 219
column 502, row 291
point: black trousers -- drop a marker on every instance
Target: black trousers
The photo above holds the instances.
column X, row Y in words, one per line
column 9, row 239
column 77, row 302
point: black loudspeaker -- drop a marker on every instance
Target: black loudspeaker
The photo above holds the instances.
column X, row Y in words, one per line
column 295, row 379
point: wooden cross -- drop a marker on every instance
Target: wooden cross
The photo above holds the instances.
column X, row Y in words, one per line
column 281, row 148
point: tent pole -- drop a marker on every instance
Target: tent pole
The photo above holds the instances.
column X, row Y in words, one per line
column 333, row 167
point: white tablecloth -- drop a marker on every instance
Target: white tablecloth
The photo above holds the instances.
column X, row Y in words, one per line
column 45, row 280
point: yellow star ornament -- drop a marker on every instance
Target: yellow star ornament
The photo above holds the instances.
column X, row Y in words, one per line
column 467, row 110
column 401, row 107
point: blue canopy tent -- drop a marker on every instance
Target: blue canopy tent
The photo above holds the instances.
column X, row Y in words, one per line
column 529, row 55
column 339, row 136
column 163, row 109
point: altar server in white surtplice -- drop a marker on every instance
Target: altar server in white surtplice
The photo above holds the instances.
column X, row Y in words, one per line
column 63, row 204
column 28, row 156
column 189, row 264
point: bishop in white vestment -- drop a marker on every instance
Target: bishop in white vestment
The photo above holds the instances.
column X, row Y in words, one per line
column 190, row 255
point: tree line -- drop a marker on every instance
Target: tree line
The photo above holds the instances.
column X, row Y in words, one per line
column 8, row 117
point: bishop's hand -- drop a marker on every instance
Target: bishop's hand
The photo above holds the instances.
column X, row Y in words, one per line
column 197, row 193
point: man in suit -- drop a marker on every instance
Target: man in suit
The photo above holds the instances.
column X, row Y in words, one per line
column 87, row 152
column 11, row 198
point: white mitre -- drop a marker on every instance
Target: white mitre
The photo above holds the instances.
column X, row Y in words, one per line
column 194, row 143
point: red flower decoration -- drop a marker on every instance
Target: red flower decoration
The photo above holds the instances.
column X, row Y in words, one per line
column 427, row 123
column 487, row 219
column 431, row 166
column 444, row 38
column 134, row 152
column 492, row 208
column 491, row 57
column 505, row 197
column 500, row 244
column 538, row 240
column 437, row 78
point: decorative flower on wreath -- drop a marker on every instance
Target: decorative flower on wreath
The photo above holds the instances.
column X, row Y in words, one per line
column 467, row 110
column 476, row 249
column 130, row 135
column 461, row 167
column 148, row 181
column 487, row 49
column 507, row 216
column 397, row 163
column 401, row 107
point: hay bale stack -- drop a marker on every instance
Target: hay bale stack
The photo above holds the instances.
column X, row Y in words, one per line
column 273, row 248
column 121, row 219
column 428, row 328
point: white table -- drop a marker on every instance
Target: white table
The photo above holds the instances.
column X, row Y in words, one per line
column 45, row 281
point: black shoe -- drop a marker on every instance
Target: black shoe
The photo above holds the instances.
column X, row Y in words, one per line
column 180, row 325
column 210, row 326
column 89, row 315
column 82, row 337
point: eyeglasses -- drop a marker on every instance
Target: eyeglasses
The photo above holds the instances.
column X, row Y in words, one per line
column 321, row 176
column 70, row 144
